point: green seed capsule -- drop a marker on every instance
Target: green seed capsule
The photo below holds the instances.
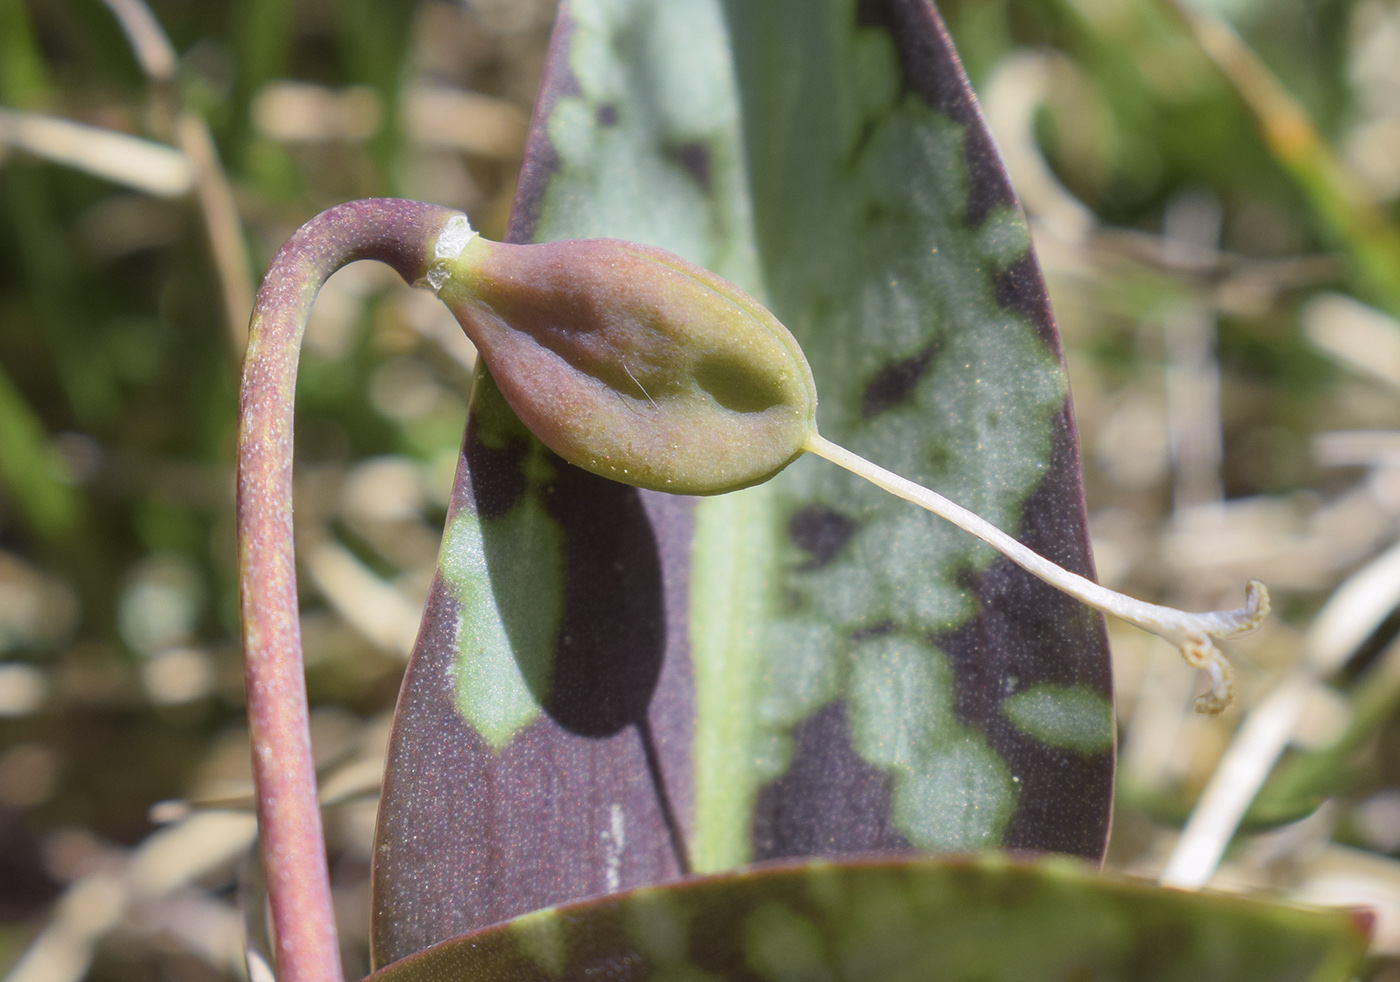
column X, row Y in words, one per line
column 632, row 363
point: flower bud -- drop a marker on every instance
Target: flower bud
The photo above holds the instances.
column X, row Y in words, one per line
column 632, row 363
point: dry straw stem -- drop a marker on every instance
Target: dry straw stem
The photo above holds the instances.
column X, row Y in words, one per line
column 1353, row 613
column 1234, row 784
column 152, row 168
column 96, row 903
column 1192, row 633
column 223, row 229
column 1366, row 231
column 148, row 40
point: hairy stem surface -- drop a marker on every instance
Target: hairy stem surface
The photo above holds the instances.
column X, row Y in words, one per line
column 401, row 234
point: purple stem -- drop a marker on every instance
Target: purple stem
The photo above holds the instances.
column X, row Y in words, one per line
column 401, row 234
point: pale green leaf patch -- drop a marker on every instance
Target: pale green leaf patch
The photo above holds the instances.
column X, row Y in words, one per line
column 783, row 946
column 951, row 790
column 540, row 936
column 901, row 702
column 958, row 798
column 658, row 926
column 505, row 656
column 1074, row 717
column 1004, row 236
column 656, row 83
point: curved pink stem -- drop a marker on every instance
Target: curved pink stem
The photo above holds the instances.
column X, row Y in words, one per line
column 401, row 234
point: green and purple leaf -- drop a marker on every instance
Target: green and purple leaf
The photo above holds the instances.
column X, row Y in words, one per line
column 986, row 920
column 611, row 687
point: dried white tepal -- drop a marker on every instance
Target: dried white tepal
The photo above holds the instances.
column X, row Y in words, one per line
column 1192, row 633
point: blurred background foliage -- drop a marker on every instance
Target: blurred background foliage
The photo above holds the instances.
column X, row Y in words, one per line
column 1213, row 193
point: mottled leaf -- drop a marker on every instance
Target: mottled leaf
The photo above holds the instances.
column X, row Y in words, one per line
column 961, row 921
column 808, row 667
column 524, row 768
column 891, row 245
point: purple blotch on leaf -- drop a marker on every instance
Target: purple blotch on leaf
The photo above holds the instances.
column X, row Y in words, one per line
column 895, row 382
